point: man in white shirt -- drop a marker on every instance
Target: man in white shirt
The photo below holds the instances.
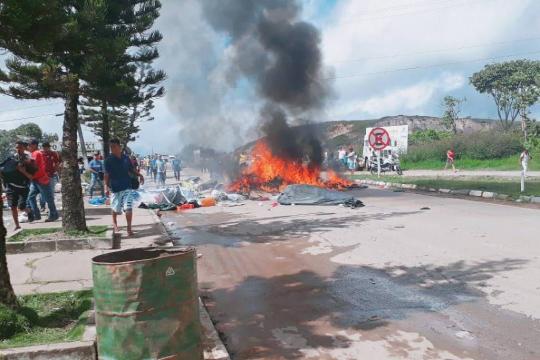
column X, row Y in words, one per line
column 342, row 156
column 524, row 160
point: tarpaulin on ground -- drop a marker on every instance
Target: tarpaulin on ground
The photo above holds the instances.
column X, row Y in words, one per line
column 164, row 199
column 313, row 195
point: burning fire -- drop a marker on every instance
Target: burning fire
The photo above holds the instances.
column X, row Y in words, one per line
column 271, row 173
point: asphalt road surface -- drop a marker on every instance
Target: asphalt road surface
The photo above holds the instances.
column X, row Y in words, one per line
column 406, row 277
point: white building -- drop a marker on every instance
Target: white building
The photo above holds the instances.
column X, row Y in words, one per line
column 399, row 140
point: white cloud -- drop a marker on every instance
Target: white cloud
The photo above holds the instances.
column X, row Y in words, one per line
column 401, row 99
column 385, row 35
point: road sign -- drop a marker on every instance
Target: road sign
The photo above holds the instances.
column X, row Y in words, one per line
column 379, row 139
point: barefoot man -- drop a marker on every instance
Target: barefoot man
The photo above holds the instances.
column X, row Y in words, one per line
column 119, row 175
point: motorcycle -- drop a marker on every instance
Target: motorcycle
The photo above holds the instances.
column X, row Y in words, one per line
column 387, row 165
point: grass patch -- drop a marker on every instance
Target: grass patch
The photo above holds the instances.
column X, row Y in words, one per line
column 49, row 318
column 25, row 234
column 500, row 186
column 508, row 164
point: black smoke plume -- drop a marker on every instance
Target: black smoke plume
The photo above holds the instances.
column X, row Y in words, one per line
column 299, row 144
column 282, row 55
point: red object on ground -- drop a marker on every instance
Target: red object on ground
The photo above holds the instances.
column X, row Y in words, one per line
column 209, row 201
column 185, row 207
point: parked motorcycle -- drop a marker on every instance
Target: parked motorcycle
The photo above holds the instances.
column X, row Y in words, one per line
column 387, row 165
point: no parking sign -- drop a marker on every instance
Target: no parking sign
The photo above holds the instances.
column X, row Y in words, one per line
column 379, row 139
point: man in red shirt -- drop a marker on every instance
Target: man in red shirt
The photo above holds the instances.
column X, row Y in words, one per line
column 41, row 185
column 450, row 158
column 52, row 164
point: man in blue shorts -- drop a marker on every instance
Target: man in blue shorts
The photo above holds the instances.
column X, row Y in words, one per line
column 119, row 177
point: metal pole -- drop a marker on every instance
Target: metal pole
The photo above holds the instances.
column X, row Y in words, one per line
column 379, row 164
column 523, row 180
column 83, row 145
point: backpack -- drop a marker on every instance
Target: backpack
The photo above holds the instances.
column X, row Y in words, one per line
column 11, row 175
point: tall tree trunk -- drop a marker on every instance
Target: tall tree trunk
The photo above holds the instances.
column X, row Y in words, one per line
column 72, row 197
column 105, row 129
column 7, row 295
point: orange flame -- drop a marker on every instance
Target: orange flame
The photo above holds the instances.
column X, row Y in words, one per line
column 271, row 173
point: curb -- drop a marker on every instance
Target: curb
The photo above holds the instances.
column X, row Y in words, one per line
column 463, row 192
column 100, row 243
column 80, row 350
column 85, row 349
column 212, row 341
column 217, row 351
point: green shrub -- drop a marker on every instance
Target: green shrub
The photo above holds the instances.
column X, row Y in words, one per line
column 11, row 322
column 479, row 146
column 428, row 136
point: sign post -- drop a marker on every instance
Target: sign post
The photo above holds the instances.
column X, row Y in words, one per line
column 523, row 180
column 379, row 139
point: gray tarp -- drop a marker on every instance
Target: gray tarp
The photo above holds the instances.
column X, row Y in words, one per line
column 313, row 195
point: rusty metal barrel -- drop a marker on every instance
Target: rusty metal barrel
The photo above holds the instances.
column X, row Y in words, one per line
column 146, row 304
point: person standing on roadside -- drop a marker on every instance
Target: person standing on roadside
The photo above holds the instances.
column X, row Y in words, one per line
column 41, row 185
column 147, row 166
column 153, row 167
column 161, row 169
column 524, row 159
column 176, row 166
column 52, row 165
column 17, row 172
column 450, row 159
column 97, row 174
column 342, row 156
column 119, row 176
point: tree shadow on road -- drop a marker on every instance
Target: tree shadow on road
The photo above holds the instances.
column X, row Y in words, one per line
column 236, row 230
column 282, row 316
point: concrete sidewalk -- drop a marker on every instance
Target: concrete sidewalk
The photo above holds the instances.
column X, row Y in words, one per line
column 64, row 271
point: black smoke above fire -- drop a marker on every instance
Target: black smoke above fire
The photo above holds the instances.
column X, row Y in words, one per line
column 299, row 144
column 281, row 54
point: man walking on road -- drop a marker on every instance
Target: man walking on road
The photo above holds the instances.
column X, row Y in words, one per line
column 176, row 166
column 161, row 169
column 119, row 176
column 41, row 185
column 450, row 159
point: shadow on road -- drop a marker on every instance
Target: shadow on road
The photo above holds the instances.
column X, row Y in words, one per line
column 277, row 317
column 234, row 230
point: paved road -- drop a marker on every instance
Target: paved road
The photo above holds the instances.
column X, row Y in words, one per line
column 407, row 277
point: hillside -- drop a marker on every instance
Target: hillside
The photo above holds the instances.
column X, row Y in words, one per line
column 334, row 134
column 337, row 133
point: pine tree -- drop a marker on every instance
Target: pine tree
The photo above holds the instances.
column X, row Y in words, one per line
column 132, row 84
column 53, row 44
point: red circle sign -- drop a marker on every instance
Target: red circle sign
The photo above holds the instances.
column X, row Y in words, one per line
column 379, row 138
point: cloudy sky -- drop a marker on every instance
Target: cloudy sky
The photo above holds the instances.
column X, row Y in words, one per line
column 384, row 57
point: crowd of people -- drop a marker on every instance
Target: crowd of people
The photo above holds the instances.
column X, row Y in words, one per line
column 156, row 167
column 30, row 173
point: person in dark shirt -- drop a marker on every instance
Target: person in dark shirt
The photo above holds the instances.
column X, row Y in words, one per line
column 119, row 176
column 16, row 172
